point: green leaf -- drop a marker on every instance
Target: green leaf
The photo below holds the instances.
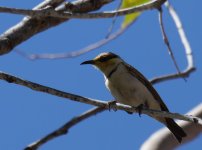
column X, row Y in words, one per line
column 128, row 19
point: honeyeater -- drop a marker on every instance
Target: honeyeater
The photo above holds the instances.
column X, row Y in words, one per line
column 130, row 87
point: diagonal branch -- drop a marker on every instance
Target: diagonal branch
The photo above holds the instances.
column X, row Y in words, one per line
column 188, row 51
column 75, row 53
column 41, row 88
column 152, row 141
column 166, row 41
column 30, row 26
column 65, row 128
column 114, row 19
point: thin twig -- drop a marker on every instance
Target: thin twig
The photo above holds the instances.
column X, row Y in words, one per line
column 64, row 128
column 113, row 21
column 75, row 53
column 67, row 15
column 173, row 76
column 188, row 51
column 40, row 88
column 166, row 41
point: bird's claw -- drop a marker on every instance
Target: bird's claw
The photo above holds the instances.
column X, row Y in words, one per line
column 139, row 109
column 112, row 105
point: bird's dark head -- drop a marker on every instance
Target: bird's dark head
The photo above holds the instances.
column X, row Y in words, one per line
column 104, row 60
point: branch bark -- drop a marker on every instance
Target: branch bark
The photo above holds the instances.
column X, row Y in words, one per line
column 192, row 129
column 166, row 41
column 195, row 121
column 65, row 128
column 37, row 87
column 188, row 51
column 75, row 53
column 155, row 4
column 30, row 26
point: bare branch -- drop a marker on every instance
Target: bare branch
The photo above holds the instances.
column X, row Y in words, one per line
column 167, row 77
column 67, row 15
column 166, row 41
column 113, row 21
column 65, row 128
column 102, row 106
column 52, row 91
column 162, row 139
column 30, row 26
column 188, row 51
column 75, row 53
column 40, row 88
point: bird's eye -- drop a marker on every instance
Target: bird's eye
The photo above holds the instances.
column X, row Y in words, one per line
column 103, row 59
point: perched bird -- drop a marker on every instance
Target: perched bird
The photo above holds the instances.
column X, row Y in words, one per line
column 130, row 87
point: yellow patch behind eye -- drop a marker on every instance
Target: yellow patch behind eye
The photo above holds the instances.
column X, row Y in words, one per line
column 99, row 57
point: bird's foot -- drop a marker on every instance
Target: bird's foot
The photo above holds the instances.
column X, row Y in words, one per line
column 139, row 109
column 112, row 105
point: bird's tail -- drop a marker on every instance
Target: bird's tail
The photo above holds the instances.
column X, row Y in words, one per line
column 175, row 129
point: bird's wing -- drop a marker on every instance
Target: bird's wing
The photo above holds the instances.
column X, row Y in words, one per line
column 147, row 84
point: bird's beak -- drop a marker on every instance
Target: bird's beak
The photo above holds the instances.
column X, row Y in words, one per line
column 92, row 62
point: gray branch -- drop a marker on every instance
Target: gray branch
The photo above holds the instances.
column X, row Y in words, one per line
column 188, row 51
column 41, row 88
column 30, row 26
column 102, row 105
column 166, row 41
column 65, row 128
column 75, row 53
column 68, row 15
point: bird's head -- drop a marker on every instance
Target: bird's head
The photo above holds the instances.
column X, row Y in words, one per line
column 104, row 61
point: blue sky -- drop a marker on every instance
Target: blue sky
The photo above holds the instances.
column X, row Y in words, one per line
column 28, row 115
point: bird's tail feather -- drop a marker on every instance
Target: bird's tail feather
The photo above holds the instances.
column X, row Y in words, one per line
column 175, row 129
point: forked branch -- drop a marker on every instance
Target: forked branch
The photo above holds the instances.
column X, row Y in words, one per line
column 188, row 51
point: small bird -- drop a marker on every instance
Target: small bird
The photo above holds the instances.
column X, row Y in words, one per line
column 130, row 87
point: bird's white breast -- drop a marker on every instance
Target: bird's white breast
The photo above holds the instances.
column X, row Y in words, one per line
column 127, row 89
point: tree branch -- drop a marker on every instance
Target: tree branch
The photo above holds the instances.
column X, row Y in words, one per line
column 52, row 91
column 64, row 128
column 67, row 15
column 75, row 53
column 102, row 106
column 188, row 51
column 30, row 26
column 166, row 41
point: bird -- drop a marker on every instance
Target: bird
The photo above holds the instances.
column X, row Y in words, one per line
column 128, row 86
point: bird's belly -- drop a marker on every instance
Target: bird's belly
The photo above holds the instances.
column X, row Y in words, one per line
column 129, row 91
